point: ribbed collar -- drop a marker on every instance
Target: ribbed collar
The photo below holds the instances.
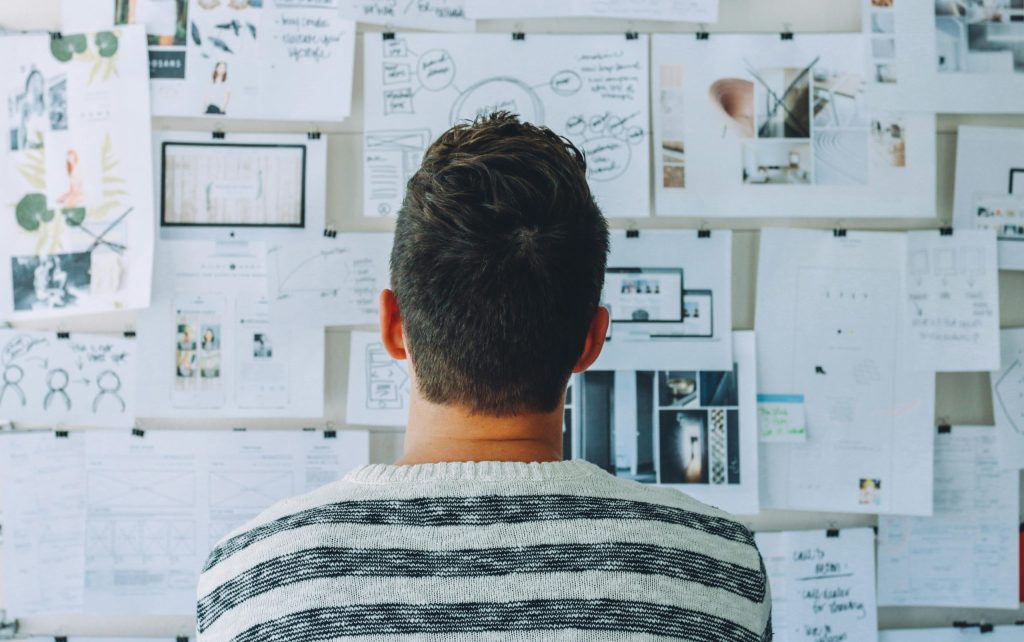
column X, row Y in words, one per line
column 472, row 471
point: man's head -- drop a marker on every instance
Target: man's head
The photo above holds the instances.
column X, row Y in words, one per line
column 497, row 269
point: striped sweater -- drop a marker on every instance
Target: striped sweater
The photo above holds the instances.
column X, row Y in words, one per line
column 486, row 551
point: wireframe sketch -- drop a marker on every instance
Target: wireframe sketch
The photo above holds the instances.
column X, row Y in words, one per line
column 81, row 380
column 591, row 89
column 387, row 381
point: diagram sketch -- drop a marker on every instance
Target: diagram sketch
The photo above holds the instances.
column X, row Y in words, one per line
column 751, row 125
column 81, row 380
column 378, row 386
column 335, row 280
column 592, row 89
column 1008, row 398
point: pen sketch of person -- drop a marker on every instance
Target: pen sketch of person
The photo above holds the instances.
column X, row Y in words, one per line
column 75, row 196
column 219, row 93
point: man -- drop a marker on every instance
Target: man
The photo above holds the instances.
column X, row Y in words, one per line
column 481, row 532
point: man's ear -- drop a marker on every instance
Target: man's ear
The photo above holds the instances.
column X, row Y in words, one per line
column 391, row 326
column 596, row 334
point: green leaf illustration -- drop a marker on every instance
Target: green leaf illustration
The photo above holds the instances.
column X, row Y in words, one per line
column 64, row 48
column 106, row 43
column 73, row 215
column 31, row 212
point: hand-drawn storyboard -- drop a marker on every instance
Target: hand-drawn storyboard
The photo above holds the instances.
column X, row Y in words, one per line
column 953, row 299
column 378, row 386
column 76, row 217
column 431, row 15
column 592, row 89
column 67, row 380
column 823, row 584
column 336, row 280
column 751, row 125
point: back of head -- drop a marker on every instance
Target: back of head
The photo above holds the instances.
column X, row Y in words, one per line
column 498, row 266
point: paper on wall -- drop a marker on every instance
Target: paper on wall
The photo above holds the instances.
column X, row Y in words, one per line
column 1008, row 399
column 685, row 427
column 591, row 88
column 42, row 483
column 990, row 187
column 335, row 280
column 378, row 386
column 669, row 295
column 966, row 554
column 751, row 125
column 781, row 418
column 832, row 327
column 675, row 10
column 1008, row 633
column 946, row 56
column 953, row 301
column 80, row 380
column 823, row 588
column 78, row 220
column 211, row 346
column 431, row 15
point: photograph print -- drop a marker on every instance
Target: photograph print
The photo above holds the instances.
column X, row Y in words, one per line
column 980, row 36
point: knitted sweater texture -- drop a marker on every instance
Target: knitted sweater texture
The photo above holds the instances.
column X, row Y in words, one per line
column 486, row 551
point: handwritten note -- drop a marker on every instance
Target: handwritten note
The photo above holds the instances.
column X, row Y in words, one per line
column 953, row 300
column 432, row 15
column 823, row 588
column 781, row 418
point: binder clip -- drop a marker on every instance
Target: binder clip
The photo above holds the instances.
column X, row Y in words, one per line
column 238, row 429
column 839, row 233
column 138, row 432
column 945, row 429
column 703, row 233
column 8, row 628
column 832, row 532
column 946, row 231
column 702, row 32
column 56, row 35
column 63, row 335
column 129, row 334
column 632, row 233
column 181, row 638
column 218, row 135
column 313, row 135
column 986, row 627
column 60, row 638
column 518, row 35
column 60, row 434
column 787, row 33
column 388, row 35
column 632, row 35
column 330, row 233
column 330, row 434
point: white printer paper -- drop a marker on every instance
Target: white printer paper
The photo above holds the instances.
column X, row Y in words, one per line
column 1008, row 633
column 966, row 554
column 1008, row 399
column 674, row 10
column 831, row 326
column 378, row 386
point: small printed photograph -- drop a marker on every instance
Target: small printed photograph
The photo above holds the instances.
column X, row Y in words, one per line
column 74, row 173
column 38, row 105
column 885, row 72
column 165, row 20
column 888, row 143
column 883, row 48
column 673, row 152
column 882, row 4
column 186, row 336
column 883, row 22
column 211, row 337
column 683, row 438
column 718, row 389
column 261, row 348
column 622, row 442
column 782, row 98
column 50, row 282
column 209, row 359
column 841, row 156
column 186, row 364
column 980, row 36
column 733, row 98
column 777, row 162
column 870, row 492
column 676, row 389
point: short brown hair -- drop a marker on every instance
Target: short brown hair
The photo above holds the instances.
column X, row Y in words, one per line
column 498, row 266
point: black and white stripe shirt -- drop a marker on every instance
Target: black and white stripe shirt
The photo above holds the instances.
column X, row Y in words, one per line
column 486, row 551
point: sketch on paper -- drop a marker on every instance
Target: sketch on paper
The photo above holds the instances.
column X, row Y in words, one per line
column 78, row 217
column 378, row 386
column 593, row 90
column 431, row 15
column 85, row 380
column 760, row 121
column 1008, row 399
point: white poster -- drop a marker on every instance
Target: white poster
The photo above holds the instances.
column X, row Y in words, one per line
column 960, row 56
column 430, row 15
column 973, row 633
column 823, row 584
column 831, row 326
column 51, row 379
column 674, row 10
column 967, row 553
column 752, row 125
column 953, row 300
column 690, row 428
column 593, row 89
column 378, row 386
column 1008, row 399
column 335, row 280
column 990, row 187
column 669, row 296
column 210, row 346
column 78, row 218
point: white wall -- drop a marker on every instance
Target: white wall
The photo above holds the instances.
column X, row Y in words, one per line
column 961, row 398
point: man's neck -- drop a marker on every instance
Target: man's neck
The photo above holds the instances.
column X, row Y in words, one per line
column 439, row 433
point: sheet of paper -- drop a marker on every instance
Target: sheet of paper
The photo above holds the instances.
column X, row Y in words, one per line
column 781, row 418
column 42, row 483
column 591, row 88
column 335, row 280
column 378, row 386
column 81, row 380
column 953, row 301
column 945, row 55
column 990, row 187
column 431, row 15
column 210, row 345
column 751, row 125
column 669, row 294
column 831, row 325
column 966, row 554
column 823, row 588
column 77, row 216
column 1008, row 633
column 686, row 427
column 675, row 10
column 1008, row 399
